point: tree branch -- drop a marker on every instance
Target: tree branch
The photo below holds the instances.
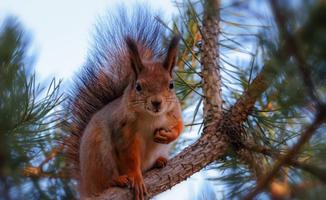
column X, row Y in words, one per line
column 240, row 110
column 38, row 171
column 239, row 113
column 305, row 136
column 211, row 76
column 318, row 172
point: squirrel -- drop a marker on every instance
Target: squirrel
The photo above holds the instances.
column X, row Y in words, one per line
column 124, row 111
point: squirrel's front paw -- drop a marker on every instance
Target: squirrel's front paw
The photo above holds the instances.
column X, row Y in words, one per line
column 163, row 136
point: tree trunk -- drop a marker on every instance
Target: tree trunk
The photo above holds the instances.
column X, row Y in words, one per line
column 210, row 71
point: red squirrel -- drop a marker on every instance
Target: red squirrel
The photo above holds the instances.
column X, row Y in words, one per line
column 125, row 113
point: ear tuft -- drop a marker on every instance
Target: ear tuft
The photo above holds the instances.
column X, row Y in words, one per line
column 171, row 56
column 134, row 57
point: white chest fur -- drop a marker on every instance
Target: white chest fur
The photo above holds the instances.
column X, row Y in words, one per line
column 151, row 150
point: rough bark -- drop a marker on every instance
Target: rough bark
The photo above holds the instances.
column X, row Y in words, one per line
column 239, row 113
column 240, row 110
column 210, row 71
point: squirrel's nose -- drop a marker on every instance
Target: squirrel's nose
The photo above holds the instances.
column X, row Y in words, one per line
column 156, row 104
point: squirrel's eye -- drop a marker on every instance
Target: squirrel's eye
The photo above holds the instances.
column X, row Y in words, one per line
column 138, row 87
column 171, row 85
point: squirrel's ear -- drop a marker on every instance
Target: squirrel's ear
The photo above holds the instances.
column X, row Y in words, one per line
column 171, row 56
column 134, row 57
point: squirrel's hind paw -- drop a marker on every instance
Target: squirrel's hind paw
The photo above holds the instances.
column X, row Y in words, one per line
column 134, row 182
column 139, row 187
column 121, row 181
column 160, row 162
column 140, row 191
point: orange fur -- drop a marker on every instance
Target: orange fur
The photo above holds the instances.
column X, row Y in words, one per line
column 133, row 133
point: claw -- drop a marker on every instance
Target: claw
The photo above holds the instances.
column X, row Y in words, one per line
column 135, row 182
column 138, row 186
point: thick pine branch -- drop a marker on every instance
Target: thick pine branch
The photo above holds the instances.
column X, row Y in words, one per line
column 240, row 110
column 239, row 113
column 211, row 76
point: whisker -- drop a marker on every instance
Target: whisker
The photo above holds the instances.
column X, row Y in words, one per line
column 137, row 101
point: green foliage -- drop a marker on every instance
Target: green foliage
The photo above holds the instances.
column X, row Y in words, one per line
column 249, row 39
column 29, row 116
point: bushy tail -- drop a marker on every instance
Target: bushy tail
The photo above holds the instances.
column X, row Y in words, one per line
column 107, row 71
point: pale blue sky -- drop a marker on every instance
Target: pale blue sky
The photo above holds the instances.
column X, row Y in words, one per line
column 61, row 30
